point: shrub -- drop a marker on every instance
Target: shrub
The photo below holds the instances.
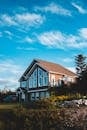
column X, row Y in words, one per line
column 39, row 119
column 40, row 104
column 68, row 97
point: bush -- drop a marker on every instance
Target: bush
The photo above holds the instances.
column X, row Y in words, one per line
column 40, row 104
column 67, row 97
column 58, row 119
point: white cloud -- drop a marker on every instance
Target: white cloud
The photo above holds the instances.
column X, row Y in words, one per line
column 67, row 60
column 52, row 39
column 78, row 45
column 72, row 69
column 79, row 8
column 28, row 40
column 8, row 32
column 9, row 65
column 29, row 19
column 8, row 83
column 26, row 49
column 7, row 20
column 57, row 39
column 22, row 21
column 3, row 81
column 9, row 74
column 55, row 9
column 71, row 39
column 83, row 32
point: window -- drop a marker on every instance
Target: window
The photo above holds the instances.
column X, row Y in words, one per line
column 40, row 72
column 45, row 79
column 35, row 78
column 37, row 96
column 35, row 73
column 30, row 82
column 40, row 77
column 42, row 94
column 47, row 94
column 32, row 96
column 40, row 81
column 23, row 84
column 34, row 83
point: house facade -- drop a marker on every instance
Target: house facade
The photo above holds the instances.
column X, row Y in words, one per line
column 40, row 76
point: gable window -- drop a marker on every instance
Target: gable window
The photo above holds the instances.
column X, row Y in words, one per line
column 35, row 78
column 40, row 71
column 40, row 77
column 30, row 82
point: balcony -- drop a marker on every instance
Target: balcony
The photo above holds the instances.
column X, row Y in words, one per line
column 56, row 83
column 59, row 83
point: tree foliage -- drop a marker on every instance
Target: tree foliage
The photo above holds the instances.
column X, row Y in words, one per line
column 81, row 68
column 81, row 65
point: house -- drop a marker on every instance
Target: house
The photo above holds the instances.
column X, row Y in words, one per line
column 40, row 76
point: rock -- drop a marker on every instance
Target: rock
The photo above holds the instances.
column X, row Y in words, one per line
column 85, row 102
column 74, row 103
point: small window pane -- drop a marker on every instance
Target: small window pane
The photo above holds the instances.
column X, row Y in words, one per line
column 32, row 96
column 23, row 84
column 47, row 94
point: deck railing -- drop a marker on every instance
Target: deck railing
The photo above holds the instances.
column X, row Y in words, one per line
column 56, row 83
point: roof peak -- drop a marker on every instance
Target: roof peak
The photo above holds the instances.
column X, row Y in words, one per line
column 53, row 63
column 38, row 60
column 50, row 67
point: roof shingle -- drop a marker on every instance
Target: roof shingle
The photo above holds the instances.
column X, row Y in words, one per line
column 53, row 67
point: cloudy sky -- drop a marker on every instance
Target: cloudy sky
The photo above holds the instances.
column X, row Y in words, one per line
column 52, row 30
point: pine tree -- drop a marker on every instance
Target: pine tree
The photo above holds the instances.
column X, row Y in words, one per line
column 81, row 66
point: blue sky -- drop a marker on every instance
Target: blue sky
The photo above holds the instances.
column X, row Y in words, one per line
column 52, row 30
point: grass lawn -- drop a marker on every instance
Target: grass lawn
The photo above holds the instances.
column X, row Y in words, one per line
column 8, row 106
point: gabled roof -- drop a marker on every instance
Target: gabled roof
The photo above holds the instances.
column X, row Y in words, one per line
column 56, row 68
column 50, row 67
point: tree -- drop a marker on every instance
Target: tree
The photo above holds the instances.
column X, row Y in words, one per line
column 81, row 65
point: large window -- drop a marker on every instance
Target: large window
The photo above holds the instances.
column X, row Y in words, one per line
column 33, row 79
column 30, row 82
column 40, row 77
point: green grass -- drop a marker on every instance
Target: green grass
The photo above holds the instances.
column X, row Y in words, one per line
column 8, row 106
